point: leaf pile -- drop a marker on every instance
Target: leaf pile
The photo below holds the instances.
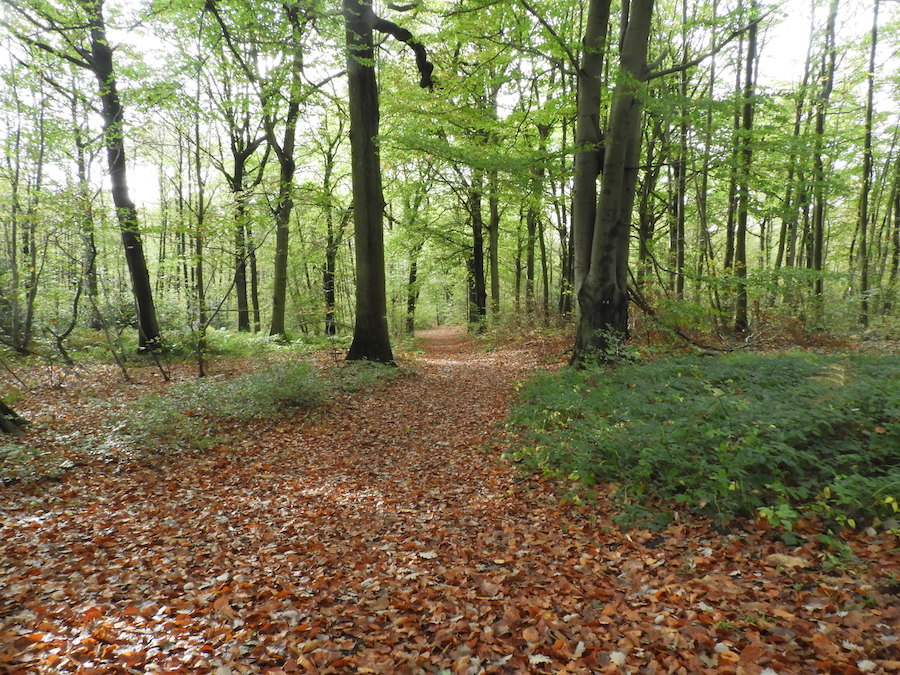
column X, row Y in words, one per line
column 383, row 538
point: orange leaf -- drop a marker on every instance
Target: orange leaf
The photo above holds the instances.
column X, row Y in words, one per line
column 531, row 635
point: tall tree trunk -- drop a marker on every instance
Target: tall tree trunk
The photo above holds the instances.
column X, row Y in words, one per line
column 894, row 274
column 703, row 239
column 254, row 278
column 826, row 76
column 730, row 224
column 588, row 138
column 477, row 286
column 240, row 250
column 862, row 227
column 371, row 340
column 412, row 287
column 545, row 271
column 114, row 138
column 794, row 196
column 681, row 162
column 603, row 296
column 284, row 151
column 493, row 229
column 86, row 217
column 533, row 217
column 200, row 225
column 29, row 231
column 741, row 320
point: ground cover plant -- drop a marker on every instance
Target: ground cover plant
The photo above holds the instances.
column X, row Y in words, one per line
column 730, row 436
column 189, row 414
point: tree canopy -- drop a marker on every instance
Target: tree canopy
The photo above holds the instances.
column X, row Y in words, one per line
column 761, row 174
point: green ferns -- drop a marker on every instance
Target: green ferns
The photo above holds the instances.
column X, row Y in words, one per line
column 727, row 437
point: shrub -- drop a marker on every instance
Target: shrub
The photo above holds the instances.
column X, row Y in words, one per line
column 725, row 436
column 186, row 415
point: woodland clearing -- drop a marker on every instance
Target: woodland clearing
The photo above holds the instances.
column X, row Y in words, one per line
column 386, row 533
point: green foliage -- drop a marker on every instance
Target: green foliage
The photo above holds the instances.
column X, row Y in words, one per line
column 726, row 437
column 186, row 414
column 20, row 461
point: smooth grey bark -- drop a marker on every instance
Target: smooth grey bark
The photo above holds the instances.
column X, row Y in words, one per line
column 603, row 295
column 588, row 138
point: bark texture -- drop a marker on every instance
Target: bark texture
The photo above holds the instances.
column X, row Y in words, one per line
column 603, row 295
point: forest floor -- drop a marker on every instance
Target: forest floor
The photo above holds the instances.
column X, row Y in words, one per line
column 386, row 534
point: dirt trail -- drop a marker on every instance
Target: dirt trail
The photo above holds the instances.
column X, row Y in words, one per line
column 388, row 536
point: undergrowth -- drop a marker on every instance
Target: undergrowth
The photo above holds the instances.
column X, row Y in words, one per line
column 736, row 436
column 186, row 415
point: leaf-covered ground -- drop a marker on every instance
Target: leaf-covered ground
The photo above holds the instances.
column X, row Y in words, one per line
column 387, row 535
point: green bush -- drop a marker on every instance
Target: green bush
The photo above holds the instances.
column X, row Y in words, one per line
column 186, row 415
column 727, row 437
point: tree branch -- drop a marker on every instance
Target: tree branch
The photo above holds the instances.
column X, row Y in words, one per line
column 712, row 52
column 562, row 44
column 425, row 66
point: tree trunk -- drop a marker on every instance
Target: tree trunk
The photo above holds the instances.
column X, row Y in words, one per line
column 254, row 279
column 588, row 138
column 113, row 135
column 863, row 221
column 200, row 226
column 412, row 287
column 741, row 320
column 826, row 76
column 240, row 260
column 478, row 288
column 603, row 296
column 10, row 422
column 284, row 151
column 493, row 229
column 371, row 340
column 787, row 239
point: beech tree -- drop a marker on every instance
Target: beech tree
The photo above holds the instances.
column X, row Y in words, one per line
column 603, row 294
column 371, row 339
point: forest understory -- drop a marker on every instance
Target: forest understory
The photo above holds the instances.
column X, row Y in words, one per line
column 386, row 533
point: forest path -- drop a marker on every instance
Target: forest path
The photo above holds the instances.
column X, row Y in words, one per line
column 387, row 535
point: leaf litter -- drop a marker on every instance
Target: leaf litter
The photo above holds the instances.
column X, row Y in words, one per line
column 388, row 536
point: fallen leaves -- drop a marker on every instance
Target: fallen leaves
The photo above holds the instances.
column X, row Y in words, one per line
column 383, row 538
column 787, row 561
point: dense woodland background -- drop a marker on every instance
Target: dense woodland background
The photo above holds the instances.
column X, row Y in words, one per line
column 761, row 197
column 182, row 179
